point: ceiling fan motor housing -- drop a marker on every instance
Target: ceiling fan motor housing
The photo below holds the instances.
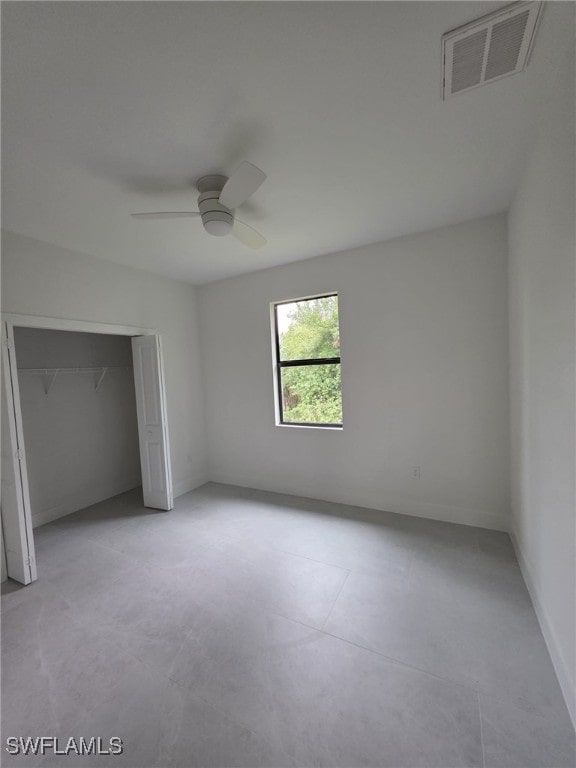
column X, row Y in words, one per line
column 216, row 218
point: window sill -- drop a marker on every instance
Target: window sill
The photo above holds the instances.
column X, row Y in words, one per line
column 310, row 426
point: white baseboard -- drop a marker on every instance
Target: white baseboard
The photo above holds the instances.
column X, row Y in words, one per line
column 479, row 518
column 558, row 660
column 187, row 484
column 81, row 500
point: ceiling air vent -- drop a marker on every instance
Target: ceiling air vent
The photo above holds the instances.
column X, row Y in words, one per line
column 489, row 48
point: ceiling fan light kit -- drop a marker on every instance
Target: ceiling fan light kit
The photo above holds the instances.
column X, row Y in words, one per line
column 218, row 198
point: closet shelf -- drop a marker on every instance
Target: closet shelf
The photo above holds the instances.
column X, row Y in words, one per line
column 52, row 373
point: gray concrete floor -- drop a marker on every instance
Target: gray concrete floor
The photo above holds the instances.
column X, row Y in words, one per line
column 253, row 629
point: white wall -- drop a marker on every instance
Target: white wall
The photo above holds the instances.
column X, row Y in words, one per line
column 41, row 279
column 423, row 323
column 81, row 443
column 543, row 380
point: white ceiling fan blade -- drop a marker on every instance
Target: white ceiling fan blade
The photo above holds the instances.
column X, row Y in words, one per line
column 243, row 182
column 247, row 235
column 166, row 215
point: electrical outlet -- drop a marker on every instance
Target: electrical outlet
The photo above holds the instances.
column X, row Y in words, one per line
column 416, row 473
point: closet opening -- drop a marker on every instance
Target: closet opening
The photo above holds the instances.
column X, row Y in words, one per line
column 83, row 420
column 78, row 407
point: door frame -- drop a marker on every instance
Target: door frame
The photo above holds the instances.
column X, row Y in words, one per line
column 10, row 321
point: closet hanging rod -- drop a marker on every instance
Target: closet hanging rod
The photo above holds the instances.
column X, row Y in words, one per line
column 100, row 370
column 91, row 369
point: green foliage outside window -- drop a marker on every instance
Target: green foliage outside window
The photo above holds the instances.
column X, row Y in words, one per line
column 312, row 393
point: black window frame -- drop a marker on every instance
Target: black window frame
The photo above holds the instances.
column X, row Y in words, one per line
column 300, row 363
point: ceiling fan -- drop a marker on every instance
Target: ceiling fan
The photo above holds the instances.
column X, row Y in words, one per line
column 218, row 198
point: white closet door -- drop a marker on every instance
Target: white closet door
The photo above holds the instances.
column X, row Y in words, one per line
column 16, row 515
column 152, row 422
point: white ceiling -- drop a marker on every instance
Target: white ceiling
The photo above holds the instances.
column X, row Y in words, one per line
column 113, row 107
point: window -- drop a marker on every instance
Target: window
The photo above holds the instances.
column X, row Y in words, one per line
column 307, row 337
